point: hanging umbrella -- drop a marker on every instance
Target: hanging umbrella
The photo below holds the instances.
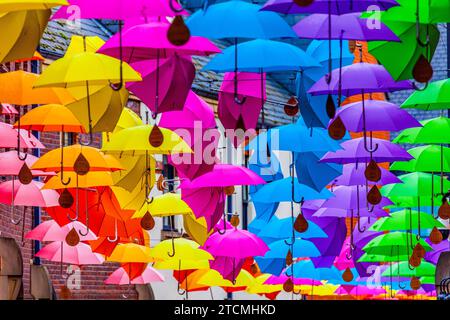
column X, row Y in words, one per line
column 165, row 205
column 277, row 229
column 118, row 277
column 14, row 193
column 405, row 220
column 434, row 97
column 60, row 251
column 9, row 137
column 10, row 165
column 394, row 243
column 324, row 6
column 131, row 252
column 90, row 180
column 50, row 230
column 425, row 269
column 213, row 278
column 7, row 109
column 149, row 275
column 354, row 174
column 301, row 248
column 434, row 131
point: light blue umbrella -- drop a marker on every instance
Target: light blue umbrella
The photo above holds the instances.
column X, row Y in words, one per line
column 238, row 19
column 257, row 225
column 278, row 229
column 262, row 56
column 265, row 211
column 299, row 249
column 305, row 269
column 272, row 266
column 282, row 191
column 267, row 168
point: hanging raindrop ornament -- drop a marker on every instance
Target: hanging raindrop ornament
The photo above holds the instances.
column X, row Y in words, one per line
column 25, row 175
column 301, row 224
column 303, row 3
column 373, row 172
column 330, row 107
column 156, row 137
column 288, row 285
column 291, row 108
column 374, row 196
column 436, row 236
column 419, row 251
column 422, row 71
column 229, row 191
column 234, row 221
column 65, row 199
column 415, row 283
column 347, row 276
column 160, row 183
column 81, row 165
column 178, row 33
column 444, row 210
column 336, row 129
column 289, row 259
column 415, row 261
column 72, row 238
column 147, row 222
column 65, row 293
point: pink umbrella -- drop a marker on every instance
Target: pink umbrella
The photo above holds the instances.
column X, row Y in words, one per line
column 118, row 277
column 274, row 280
column 7, row 109
column 149, row 275
column 236, row 245
column 342, row 262
column 10, row 165
column 149, row 41
column 360, row 290
column 60, row 251
column 8, row 138
column 51, row 231
column 175, row 76
column 243, row 112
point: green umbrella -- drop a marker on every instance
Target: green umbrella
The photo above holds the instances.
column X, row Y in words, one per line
column 383, row 258
column 413, row 201
column 425, row 269
column 401, row 58
column 435, row 97
column 403, row 241
column 414, row 184
column 427, row 280
column 406, row 220
column 434, row 131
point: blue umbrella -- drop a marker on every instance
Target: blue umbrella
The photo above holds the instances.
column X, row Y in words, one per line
column 300, row 248
column 305, row 270
column 256, row 225
column 282, row 191
column 267, row 168
column 278, row 229
column 265, row 211
column 313, row 173
column 272, row 266
column 262, row 56
column 238, row 19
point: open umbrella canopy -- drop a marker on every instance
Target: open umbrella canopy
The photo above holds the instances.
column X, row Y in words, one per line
column 11, row 165
column 301, row 248
column 213, row 278
column 60, row 251
column 353, row 175
column 435, row 97
column 50, row 230
column 8, row 138
column 238, row 19
column 415, row 184
column 19, row 5
column 426, row 159
column 169, row 204
column 393, row 243
column 402, row 269
column 149, row 275
column 90, row 180
column 285, row 190
column 131, row 252
column 30, row 195
column 436, row 130
column 406, row 220
column 278, row 228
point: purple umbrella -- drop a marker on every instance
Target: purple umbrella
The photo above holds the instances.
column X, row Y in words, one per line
column 327, row 6
column 354, row 151
column 334, row 227
column 174, row 75
column 354, row 174
column 250, row 91
column 375, row 212
column 433, row 256
column 375, row 115
column 346, row 27
column 360, row 239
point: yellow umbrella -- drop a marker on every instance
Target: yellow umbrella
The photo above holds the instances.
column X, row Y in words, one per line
column 137, row 141
column 134, row 170
column 181, row 264
column 131, row 252
column 258, row 285
column 19, row 5
column 322, row 290
column 90, row 180
column 130, row 200
column 213, row 278
column 80, row 44
column 191, row 281
column 196, row 228
column 169, row 204
column 187, row 253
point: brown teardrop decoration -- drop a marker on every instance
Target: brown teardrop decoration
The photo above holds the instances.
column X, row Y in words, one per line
column 254, row 269
column 301, row 224
column 235, row 220
column 147, row 221
column 303, row 3
column 229, row 191
column 415, row 283
column 422, row 71
column 289, row 258
column 25, row 175
column 374, row 196
column 331, row 107
column 156, row 137
column 288, row 285
column 444, row 211
column 419, row 250
column 81, row 165
column 415, row 261
column 336, row 129
column 72, row 238
column 160, row 183
column 373, row 172
column 347, row 276
column 66, row 199
column 351, row 46
column 436, row 236
column 291, row 108
column 65, row 293
column 178, row 33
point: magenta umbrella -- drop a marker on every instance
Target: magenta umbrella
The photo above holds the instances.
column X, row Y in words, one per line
column 175, row 75
column 348, row 26
column 235, row 244
column 353, row 174
column 252, row 95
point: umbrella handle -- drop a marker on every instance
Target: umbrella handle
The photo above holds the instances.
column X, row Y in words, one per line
column 119, row 86
column 361, row 230
column 289, row 243
column 419, row 41
column 173, row 249
column 296, row 292
column 289, row 275
column 172, row 7
column 22, row 158
column 417, row 88
column 180, row 291
column 61, row 174
column 239, row 101
column 13, row 221
column 366, row 146
column 87, row 224
column 222, row 232
column 370, row 209
column 116, row 234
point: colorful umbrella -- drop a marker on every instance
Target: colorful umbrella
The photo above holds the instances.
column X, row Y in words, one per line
column 354, row 174
column 50, row 230
column 434, row 97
